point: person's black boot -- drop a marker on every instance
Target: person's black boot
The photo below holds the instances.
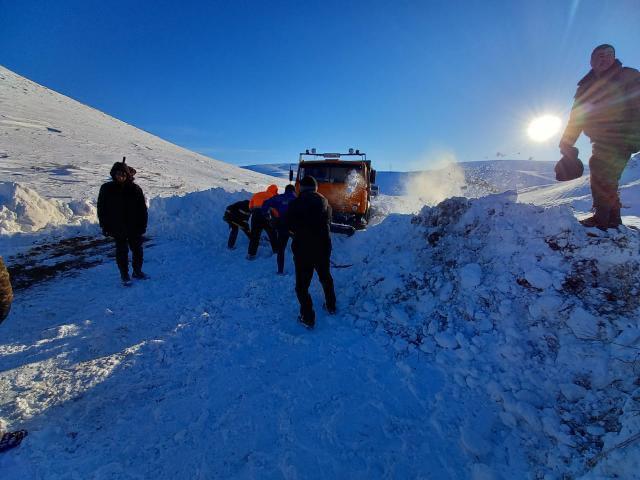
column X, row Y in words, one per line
column 309, row 320
column 126, row 279
column 600, row 219
column 615, row 219
column 331, row 309
column 139, row 275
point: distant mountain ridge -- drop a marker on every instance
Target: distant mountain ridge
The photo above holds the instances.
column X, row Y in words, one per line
column 492, row 176
column 533, row 180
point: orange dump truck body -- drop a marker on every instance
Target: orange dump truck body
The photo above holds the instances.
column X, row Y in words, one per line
column 345, row 183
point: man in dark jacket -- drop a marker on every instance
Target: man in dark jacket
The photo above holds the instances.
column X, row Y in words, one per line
column 276, row 208
column 122, row 212
column 607, row 109
column 237, row 216
column 309, row 219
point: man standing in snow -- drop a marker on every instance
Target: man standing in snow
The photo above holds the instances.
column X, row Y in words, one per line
column 237, row 216
column 309, row 220
column 276, row 208
column 122, row 212
column 607, row 109
column 259, row 222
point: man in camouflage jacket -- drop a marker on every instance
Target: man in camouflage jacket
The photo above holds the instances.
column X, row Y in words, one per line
column 607, row 110
column 6, row 293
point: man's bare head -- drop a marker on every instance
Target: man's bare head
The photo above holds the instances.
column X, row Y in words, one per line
column 602, row 58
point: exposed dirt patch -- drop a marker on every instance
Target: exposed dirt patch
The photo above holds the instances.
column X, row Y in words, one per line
column 66, row 257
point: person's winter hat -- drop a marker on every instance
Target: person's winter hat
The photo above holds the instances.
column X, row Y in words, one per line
column 272, row 189
column 308, row 183
column 289, row 188
column 128, row 170
column 119, row 167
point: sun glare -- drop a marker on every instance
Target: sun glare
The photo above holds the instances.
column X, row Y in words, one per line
column 543, row 128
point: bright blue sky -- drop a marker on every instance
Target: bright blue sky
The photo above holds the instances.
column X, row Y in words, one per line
column 249, row 81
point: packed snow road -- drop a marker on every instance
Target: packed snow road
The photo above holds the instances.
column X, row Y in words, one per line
column 203, row 372
column 480, row 339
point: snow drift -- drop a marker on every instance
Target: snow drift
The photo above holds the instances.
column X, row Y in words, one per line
column 521, row 304
column 24, row 210
column 478, row 339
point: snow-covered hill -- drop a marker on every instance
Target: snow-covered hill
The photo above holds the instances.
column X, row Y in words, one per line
column 57, row 152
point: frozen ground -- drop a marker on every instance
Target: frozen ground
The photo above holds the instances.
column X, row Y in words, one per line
column 476, row 339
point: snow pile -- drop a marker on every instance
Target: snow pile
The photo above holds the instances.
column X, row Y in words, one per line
column 195, row 218
column 23, row 210
column 518, row 303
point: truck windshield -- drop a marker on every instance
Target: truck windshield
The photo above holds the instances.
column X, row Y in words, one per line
column 331, row 173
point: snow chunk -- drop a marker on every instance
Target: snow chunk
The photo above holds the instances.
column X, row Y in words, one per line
column 583, row 324
column 470, row 276
column 480, row 471
column 539, row 278
column 573, row 392
column 474, row 442
column 446, row 340
column 83, row 208
column 23, row 210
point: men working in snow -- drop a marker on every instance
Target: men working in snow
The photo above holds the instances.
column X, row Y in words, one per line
column 259, row 222
column 6, row 292
column 122, row 213
column 309, row 219
column 276, row 208
column 607, row 109
column 237, row 216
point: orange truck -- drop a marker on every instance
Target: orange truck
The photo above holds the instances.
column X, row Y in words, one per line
column 345, row 179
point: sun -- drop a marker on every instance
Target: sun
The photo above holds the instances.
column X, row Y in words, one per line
column 543, row 128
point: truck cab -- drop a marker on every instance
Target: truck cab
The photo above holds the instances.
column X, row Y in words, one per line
column 345, row 179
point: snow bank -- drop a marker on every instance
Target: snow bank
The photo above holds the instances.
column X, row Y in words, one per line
column 23, row 210
column 519, row 303
column 193, row 218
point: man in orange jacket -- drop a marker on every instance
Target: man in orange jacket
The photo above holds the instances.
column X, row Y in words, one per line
column 259, row 221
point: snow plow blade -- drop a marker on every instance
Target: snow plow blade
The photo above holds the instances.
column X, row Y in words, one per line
column 342, row 229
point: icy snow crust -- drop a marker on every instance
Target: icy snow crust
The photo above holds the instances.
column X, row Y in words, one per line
column 478, row 339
